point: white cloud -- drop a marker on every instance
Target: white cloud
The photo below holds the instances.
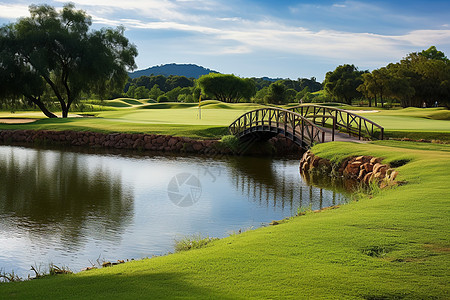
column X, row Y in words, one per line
column 13, row 11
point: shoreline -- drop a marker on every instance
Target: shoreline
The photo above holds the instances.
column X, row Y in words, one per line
column 144, row 143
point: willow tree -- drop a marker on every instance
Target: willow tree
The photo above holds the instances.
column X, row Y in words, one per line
column 55, row 50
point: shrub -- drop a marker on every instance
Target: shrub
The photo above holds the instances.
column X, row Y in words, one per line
column 192, row 242
column 230, row 141
column 163, row 98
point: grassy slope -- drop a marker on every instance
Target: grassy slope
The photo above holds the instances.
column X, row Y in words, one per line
column 179, row 119
column 320, row 255
column 416, row 123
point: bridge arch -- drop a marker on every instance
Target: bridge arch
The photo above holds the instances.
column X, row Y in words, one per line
column 344, row 120
column 305, row 125
column 265, row 123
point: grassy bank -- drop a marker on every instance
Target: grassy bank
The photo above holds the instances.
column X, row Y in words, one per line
column 182, row 119
column 392, row 246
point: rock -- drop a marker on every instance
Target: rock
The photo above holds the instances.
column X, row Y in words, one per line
column 393, row 175
column 356, row 164
column 361, row 174
column 376, row 167
column 367, row 177
column 374, row 160
column 368, row 167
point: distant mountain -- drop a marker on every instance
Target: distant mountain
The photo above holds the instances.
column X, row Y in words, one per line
column 188, row 70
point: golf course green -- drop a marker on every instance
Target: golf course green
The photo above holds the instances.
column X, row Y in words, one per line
column 386, row 244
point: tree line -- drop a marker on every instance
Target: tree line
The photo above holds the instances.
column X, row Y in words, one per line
column 421, row 79
column 222, row 87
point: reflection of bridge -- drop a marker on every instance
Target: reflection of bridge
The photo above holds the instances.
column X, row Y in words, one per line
column 306, row 125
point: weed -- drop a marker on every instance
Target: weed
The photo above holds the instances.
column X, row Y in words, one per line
column 375, row 251
column 55, row 270
column 9, row 277
column 192, row 242
column 302, row 210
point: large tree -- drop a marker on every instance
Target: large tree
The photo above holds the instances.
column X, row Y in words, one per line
column 56, row 49
column 226, row 87
column 276, row 94
column 342, row 83
column 426, row 77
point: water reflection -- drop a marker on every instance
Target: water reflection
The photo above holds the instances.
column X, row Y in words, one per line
column 69, row 208
column 57, row 193
column 277, row 183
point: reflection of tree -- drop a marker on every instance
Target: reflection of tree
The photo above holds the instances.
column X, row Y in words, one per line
column 261, row 180
column 58, row 193
column 340, row 184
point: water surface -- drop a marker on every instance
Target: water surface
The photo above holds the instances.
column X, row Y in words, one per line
column 71, row 208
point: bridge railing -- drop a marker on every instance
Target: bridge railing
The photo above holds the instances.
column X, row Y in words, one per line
column 276, row 120
column 344, row 120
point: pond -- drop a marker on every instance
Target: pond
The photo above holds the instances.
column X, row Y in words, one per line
column 72, row 208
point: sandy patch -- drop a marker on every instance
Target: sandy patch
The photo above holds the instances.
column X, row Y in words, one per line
column 16, row 121
column 363, row 111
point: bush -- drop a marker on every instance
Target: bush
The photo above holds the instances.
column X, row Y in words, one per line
column 163, row 98
column 230, row 141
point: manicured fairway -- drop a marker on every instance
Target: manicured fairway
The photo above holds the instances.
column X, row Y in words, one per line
column 160, row 118
column 182, row 119
column 394, row 245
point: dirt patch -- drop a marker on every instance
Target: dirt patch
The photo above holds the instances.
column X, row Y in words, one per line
column 363, row 111
column 16, row 121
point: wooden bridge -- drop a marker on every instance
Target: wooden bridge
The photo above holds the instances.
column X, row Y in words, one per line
column 306, row 125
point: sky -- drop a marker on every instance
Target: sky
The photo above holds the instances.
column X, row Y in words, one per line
column 278, row 39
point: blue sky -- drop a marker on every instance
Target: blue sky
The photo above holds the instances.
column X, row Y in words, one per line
column 284, row 38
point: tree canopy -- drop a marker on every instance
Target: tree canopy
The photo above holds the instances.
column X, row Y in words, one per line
column 226, row 87
column 421, row 77
column 55, row 51
column 342, row 83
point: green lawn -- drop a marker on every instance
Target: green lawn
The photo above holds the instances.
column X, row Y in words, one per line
column 395, row 245
column 179, row 119
column 416, row 123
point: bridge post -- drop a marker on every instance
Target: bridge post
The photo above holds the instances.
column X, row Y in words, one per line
column 323, row 119
column 359, row 129
column 332, row 130
column 348, row 124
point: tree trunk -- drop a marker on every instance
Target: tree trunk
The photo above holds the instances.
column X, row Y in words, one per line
column 42, row 107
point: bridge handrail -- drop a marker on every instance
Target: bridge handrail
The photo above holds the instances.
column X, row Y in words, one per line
column 248, row 116
column 328, row 108
column 279, row 109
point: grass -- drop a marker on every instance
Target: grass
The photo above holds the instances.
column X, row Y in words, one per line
column 178, row 119
column 392, row 246
column 414, row 123
column 182, row 119
column 192, row 242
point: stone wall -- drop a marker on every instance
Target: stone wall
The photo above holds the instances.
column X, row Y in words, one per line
column 365, row 169
column 143, row 142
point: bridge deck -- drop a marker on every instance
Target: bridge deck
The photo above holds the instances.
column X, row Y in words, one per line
column 299, row 125
column 340, row 136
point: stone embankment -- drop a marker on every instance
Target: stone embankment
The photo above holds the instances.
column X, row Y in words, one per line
column 128, row 141
column 366, row 169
